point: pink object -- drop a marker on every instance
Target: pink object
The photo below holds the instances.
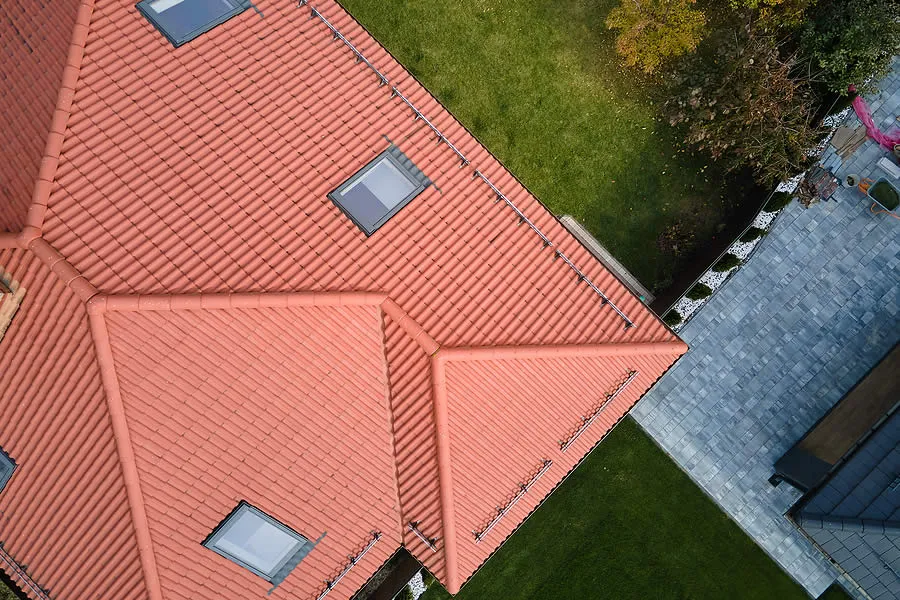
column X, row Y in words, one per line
column 861, row 107
column 202, row 325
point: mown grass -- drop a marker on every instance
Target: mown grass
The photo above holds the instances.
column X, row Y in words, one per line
column 6, row 593
column 835, row 592
column 541, row 86
column 628, row 524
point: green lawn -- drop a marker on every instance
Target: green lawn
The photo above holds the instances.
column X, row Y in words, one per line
column 6, row 593
column 628, row 524
column 540, row 84
column 835, row 592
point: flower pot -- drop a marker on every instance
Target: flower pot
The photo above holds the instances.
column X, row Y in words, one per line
column 851, row 180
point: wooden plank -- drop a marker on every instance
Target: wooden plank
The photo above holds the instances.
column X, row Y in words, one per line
column 859, row 411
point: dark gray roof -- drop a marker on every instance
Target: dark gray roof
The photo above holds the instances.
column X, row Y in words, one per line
column 855, row 515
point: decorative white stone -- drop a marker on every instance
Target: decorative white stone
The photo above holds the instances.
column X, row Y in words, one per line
column 789, row 185
column 833, row 121
column 417, row 585
column 687, row 307
column 764, row 219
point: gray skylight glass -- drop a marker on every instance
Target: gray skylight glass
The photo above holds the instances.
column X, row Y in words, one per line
column 379, row 190
column 183, row 20
column 256, row 541
column 7, row 466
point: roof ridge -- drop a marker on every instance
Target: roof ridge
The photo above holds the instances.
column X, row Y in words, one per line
column 465, row 353
column 412, row 327
column 125, row 450
column 57, row 263
column 855, row 524
column 34, row 220
column 391, row 420
column 102, row 303
column 445, row 474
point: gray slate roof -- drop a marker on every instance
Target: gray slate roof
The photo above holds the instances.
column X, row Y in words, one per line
column 855, row 515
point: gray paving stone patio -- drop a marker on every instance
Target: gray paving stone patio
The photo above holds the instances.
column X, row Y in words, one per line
column 811, row 312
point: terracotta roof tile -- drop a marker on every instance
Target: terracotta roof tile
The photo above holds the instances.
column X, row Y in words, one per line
column 68, row 486
column 323, row 387
column 253, row 343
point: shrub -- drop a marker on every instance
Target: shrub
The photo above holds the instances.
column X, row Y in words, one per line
column 652, row 31
column 781, row 13
column 752, row 234
column 699, row 292
column 428, row 578
column 842, row 102
column 751, row 108
column 851, row 42
column 726, row 263
column 778, row 201
column 405, row 594
column 672, row 318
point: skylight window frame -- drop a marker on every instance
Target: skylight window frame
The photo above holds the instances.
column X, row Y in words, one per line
column 404, row 166
column 7, row 468
column 150, row 14
column 281, row 570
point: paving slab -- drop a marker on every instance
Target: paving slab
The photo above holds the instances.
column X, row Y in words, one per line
column 779, row 344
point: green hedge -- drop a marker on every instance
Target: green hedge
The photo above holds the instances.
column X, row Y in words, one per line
column 752, row 234
column 841, row 103
column 427, row 578
column 778, row 201
column 672, row 318
column 726, row 263
column 699, row 292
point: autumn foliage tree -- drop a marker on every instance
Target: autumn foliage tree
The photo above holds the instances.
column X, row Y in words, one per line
column 653, row 31
column 781, row 13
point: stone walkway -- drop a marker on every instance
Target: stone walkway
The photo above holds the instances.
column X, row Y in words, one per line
column 811, row 312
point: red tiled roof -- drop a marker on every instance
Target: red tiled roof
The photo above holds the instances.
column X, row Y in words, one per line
column 246, row 341
column 223, row 399
column 64, row 513
column 41, row 56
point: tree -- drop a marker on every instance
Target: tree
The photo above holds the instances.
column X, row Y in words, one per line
column 851, row 42
column 780, row 13
column 652, row 31
column 747, row 107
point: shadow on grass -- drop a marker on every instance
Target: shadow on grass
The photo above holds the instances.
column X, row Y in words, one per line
column 541, row 86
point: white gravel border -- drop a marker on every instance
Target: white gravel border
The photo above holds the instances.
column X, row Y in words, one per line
column 687, row 307
column 417, row 585
column 714, row 279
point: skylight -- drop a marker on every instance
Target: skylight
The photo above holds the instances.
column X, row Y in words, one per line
column 183, row 20
column 259, row 543
column 7, row 466
column 379, row 190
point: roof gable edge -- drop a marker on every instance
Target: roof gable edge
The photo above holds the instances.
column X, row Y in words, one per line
column 445, row 474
